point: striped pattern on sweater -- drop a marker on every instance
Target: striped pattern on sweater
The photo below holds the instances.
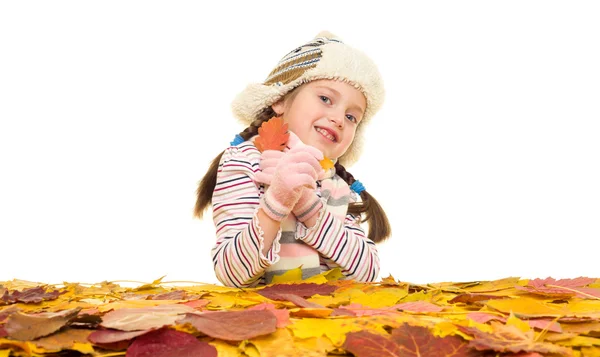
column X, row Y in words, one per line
column 237, row 255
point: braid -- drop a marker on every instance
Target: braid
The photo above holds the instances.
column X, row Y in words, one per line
column 379, row 226
column 209, row 181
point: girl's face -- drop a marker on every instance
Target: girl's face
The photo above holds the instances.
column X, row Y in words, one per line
column 324, row 114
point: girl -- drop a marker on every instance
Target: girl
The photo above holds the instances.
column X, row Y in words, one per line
column 275, row 211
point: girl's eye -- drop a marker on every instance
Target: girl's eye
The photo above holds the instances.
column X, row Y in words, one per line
column 351, row 118
column 324, row 99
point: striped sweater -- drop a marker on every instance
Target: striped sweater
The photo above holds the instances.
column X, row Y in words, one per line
column 337, row 239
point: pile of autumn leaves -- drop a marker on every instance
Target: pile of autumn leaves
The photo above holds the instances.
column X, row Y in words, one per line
column 320, row 316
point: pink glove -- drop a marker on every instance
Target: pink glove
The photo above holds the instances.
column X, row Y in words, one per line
column 309, row 203
column 296, row 169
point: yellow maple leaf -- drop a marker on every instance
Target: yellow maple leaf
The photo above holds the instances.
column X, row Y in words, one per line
column 518, row 323
column 327, row 163
column 289, row 276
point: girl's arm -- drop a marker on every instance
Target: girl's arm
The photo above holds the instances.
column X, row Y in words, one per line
column 247, row 239
column 343, row 242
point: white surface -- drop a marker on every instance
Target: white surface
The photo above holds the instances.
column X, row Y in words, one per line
column 111, row 112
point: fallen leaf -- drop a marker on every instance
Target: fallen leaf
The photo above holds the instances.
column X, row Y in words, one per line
column 418, row 306
column 167, row 343
column 289, row 276
column 29, row 296
column 112, row 336
column 367, row 344
column 471, row 298
column 145, row 318
column 171, row 295
column 303, row 290
column 272, row 135
column 282, row 315
column 65, row 340
column 507, row 338
column 562, row 288
column 299, row 301
column 233, row 325
column 25, row 327
column 419, row 341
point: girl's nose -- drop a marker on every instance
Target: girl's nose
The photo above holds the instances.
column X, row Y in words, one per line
column 337, row 119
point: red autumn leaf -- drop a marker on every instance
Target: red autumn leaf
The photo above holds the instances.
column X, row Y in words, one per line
column 543, row 324
column 272, row 135
column 3, row 332
column 26, row 327
column 144, row 318
column 470, row 298
column 282, row 315
column 29, row 296
column 304, row 290
column 111, row 336
column 483, row 317
column 367, row 344
column 300, row 302
column 419, row 341
column 168, row 343
column 418, row 306
column 562, row 288
column 197, row 304
column 233, row 325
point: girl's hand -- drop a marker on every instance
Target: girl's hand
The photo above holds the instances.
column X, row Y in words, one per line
column 270, row 158
column 297, row 169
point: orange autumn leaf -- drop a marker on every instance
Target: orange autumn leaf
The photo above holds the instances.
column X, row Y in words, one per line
column 326, row 163
column 272, row 135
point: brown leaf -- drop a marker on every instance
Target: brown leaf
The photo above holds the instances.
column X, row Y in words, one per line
column 367, row 344
column 4, row 314
column 233, row 325
column 64, row 339
column 272, row 135
column 471, row 298
column 304, row 290
column 26, row 327
column 29, row 296
column 168, row 343
column 144, row 318
column 419, row 341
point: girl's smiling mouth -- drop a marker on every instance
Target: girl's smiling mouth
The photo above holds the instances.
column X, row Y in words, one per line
column 327, row 133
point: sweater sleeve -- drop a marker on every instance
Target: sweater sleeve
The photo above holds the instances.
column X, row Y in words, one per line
column 343, row 242
column 237, row 255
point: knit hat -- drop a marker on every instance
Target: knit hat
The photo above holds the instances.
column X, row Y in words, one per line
column 325, row 57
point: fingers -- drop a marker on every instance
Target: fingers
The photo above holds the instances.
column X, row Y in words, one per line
column 303, row 156
column 263, row 178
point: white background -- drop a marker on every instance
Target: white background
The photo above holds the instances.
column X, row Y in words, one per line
column 486, row 154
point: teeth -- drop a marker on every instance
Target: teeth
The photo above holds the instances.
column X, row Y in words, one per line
column 326, row 134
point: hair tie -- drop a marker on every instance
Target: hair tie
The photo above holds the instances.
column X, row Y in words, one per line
column 237, row 140
column 357, row 187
